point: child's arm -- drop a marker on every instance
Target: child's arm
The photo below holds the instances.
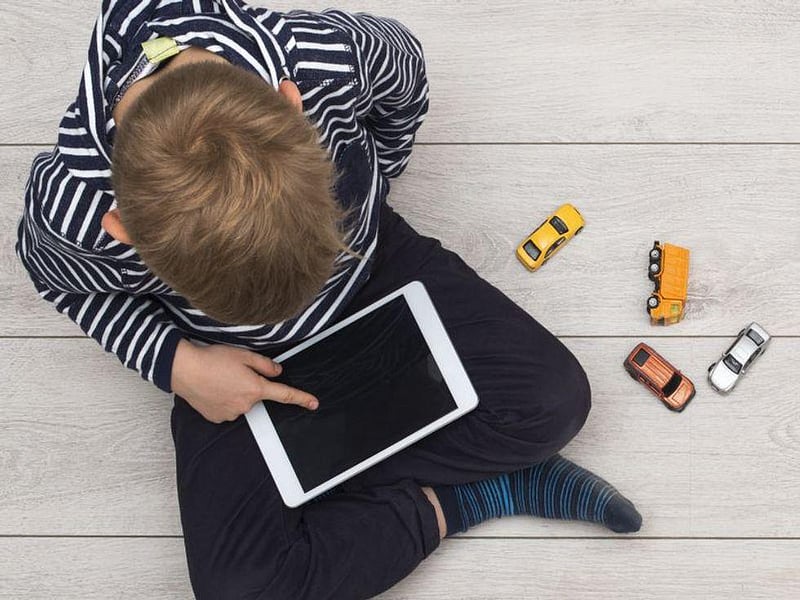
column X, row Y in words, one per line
column 393, row 99
column 222, row 382
column 219, row 381
column 135, row 328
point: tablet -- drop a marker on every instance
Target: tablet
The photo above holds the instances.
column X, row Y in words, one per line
column 385, row 377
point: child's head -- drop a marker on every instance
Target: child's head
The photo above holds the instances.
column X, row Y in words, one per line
column 226, row 193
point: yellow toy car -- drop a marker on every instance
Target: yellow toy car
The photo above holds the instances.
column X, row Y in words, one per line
column 669, row 270
column 558, row 228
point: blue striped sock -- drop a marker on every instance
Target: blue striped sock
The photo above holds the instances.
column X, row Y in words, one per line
column 554, row 489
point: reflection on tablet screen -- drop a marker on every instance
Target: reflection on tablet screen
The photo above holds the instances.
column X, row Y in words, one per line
column 376, row 381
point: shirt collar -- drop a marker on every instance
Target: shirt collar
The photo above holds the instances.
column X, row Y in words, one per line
column 84, row 142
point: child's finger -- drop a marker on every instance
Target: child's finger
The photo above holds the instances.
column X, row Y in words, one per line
column 285, row 394
column 263, row 364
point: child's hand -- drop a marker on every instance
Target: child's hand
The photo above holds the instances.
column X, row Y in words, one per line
column 222, row 382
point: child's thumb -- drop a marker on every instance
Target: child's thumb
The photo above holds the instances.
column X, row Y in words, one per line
column 263, row 364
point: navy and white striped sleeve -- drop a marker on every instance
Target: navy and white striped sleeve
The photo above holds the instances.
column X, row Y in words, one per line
column 393, row 99
column 135, row 328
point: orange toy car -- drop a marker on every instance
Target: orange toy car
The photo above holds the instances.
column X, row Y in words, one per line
column 671, row 386
column 669, row 270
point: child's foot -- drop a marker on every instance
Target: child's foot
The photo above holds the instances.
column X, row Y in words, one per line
column 554, row 489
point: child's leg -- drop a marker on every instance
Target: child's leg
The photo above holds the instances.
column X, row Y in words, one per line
column 533, row 394
column 241, row 541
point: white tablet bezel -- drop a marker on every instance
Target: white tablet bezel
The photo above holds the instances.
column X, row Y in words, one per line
column 446, row 358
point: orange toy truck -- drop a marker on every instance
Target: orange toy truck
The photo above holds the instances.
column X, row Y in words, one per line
column 669, row 271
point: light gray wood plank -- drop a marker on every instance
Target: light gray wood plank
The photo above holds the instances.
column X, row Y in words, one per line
column 735, row 207
column 86, row 447
column 46, row 568
column 44, row 49
column 517, row 71
column 147, row 569
column 82, row 435
column 605, row 569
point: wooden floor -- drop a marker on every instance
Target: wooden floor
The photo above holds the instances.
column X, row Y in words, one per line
column 674, row 120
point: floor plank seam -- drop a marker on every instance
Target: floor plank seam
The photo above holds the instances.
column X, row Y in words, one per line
column 615, row 143
column 561, row 337
column 459, row 537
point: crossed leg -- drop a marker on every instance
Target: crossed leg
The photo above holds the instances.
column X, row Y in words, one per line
column 243, row 542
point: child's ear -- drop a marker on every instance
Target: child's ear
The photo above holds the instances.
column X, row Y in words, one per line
column 112, row 224
column 289, row 91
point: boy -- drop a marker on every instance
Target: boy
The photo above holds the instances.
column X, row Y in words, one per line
column 244, row 210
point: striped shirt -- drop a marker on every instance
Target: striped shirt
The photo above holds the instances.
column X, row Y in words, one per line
column 363, row 86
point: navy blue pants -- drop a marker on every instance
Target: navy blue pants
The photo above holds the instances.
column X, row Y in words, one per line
column 243, row 542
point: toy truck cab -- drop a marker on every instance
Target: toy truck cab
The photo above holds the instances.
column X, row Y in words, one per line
column 669, row 271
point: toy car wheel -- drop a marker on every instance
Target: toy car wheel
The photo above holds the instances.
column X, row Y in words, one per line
column 652, row 302
column 578, row 230
column 655, row 254
column 711, row 366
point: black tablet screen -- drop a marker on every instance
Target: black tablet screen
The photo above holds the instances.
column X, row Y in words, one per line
column 376, row 382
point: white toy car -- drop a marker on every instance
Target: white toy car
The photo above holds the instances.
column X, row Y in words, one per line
column 749, row 345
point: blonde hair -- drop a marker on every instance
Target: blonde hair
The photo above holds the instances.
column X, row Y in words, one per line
column 227, row 195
